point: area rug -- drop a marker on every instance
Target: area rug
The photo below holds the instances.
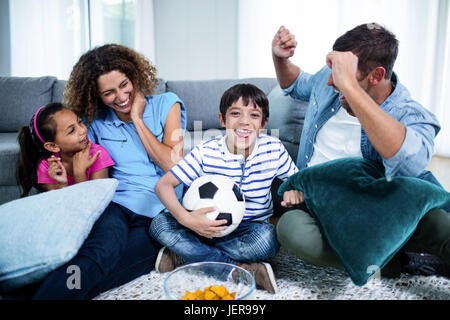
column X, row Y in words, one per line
column 298, row 280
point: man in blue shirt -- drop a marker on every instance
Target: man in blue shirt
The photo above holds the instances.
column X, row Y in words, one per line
column 378, row 121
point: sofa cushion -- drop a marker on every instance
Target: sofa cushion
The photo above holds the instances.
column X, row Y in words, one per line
column 365, row 218
column 202, row 98
column 22, row 97
column 58, row 90
column 42, row 232
column 286, row 115
column 161, row 87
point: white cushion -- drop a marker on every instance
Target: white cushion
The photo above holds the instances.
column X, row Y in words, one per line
column 42, row 232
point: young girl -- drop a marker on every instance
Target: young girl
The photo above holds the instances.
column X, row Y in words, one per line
column 55, row 151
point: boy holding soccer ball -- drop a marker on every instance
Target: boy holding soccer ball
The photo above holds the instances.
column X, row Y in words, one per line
column 252, row 160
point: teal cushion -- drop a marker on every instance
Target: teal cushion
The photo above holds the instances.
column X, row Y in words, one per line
column 365, row 218
column 42, row 232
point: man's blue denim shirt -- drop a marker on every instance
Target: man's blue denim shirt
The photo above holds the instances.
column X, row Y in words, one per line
column 421, row 125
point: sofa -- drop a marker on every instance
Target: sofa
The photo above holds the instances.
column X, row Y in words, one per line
column 22, row 96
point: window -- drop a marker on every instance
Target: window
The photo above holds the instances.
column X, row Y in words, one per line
column 112, row 21
column 58, row 32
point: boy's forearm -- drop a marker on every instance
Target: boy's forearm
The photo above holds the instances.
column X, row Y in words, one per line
column 166, row 193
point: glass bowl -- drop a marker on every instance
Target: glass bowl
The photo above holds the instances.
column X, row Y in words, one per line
column 198, row 276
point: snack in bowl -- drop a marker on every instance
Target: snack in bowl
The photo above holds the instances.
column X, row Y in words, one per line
column 213, row 292
column 209, row 280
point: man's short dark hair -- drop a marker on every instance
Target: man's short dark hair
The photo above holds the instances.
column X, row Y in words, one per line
column 373, row 44
column 247, row 92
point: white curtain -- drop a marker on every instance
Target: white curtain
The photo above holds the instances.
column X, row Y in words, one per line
column 442, row 80
column 145, row 30
column 47, row 36
column 422, row 28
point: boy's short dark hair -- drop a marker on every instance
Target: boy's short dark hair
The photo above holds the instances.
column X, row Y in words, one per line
column 373, row 44
column 247, row 92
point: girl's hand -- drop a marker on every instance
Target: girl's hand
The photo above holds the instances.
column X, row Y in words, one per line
column 138, row 106
column 292, row 198
column 56, row 171
column 202, row 225
column 82, row 160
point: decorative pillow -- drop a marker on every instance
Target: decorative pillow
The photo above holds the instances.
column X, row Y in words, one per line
column 365, row 218
column 287, row 115
column 42, row 232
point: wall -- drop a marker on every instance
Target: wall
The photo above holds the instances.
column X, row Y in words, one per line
column 192, row 36
column 441, row 169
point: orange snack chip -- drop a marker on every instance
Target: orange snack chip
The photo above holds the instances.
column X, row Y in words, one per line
column 210, row 293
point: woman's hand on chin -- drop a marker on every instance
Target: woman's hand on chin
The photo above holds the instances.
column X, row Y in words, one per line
column 138, row 106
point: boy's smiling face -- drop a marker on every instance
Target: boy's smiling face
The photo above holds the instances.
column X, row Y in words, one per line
column 242, row 123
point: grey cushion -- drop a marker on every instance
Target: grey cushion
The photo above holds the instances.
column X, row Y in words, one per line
column 58, row 90
column 202, row 97
column 22, row 97
column 286, row 115
column 9, row 150
column 161, row 87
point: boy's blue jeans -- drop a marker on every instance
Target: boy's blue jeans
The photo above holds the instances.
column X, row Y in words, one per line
column 117, row 250
column 251, row 241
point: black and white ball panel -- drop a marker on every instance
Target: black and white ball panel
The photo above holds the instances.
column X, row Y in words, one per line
column 207, row 190
column 219, row 192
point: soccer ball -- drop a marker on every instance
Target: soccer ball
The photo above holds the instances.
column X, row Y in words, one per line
column 219, row 192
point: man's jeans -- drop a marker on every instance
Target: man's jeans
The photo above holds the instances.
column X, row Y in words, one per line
column 117, row 250
column 251, row 241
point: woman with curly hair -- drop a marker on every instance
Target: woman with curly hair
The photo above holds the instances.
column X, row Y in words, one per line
column 111, row 88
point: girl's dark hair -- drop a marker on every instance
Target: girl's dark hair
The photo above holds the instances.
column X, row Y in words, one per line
column 373, row 44
column 32, row 148
column 247, row 92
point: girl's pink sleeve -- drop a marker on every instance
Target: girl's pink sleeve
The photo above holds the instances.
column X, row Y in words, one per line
column 42, row 173
column 103, row 161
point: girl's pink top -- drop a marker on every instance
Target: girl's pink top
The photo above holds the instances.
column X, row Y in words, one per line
column 103, row 161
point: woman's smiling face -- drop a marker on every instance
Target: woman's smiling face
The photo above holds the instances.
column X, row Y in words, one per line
column 116, row 91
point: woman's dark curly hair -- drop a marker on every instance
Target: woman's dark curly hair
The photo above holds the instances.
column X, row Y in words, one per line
column 81, row 92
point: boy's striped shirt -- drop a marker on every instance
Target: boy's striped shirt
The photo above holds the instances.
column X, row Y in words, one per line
column 269, row 159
